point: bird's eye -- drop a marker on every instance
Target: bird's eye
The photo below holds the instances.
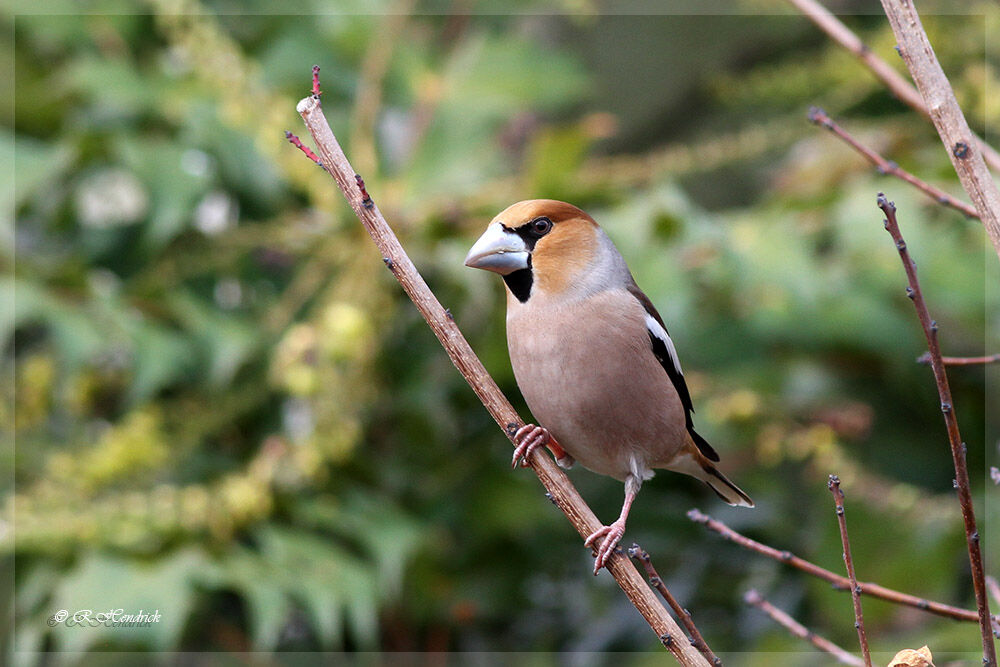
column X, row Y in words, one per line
column 540, row 226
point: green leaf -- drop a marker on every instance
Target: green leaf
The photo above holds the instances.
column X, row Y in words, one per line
column 226, row 339
column 113, row 86
column 102, row 583
column 76, row 338
column 174, row 192
column 335, row 588
column 159, row 357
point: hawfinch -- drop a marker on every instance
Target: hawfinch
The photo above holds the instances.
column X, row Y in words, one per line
column 592, row 357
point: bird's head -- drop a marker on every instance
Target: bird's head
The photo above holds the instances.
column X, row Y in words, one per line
column 539, row 244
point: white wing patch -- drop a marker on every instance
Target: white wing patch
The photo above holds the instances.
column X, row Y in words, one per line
column 657, row 330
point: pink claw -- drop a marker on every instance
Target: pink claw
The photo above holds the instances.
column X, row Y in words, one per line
column 529, row 438
column 612, row 535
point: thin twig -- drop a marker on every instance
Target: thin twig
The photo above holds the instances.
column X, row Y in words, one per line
column 697, row 640
column 902, row 89
column 991, row 582
column 993, row 587
column 839, row 582
column 755, row 599
column 859, row 620
column 295, row 141
column 965, row 153
column 925, row 359
column 958, row 447
column 560, row 489
column 819, row 117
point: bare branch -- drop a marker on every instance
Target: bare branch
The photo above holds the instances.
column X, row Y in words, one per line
column 819, row 117
column 925, row 359
column 964, row 151
column 697, row 640
column 562, row 492
column 782, row 618
column 958, row 447
column 859, row 619
column 902, row 89
column 839, row 582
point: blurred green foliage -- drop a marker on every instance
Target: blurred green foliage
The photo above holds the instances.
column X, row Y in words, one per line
column 225, row 409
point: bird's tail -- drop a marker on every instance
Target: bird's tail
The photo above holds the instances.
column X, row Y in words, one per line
column 723, row 488
column 692, row 462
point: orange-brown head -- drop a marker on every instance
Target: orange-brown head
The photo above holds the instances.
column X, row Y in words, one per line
column 539, row 244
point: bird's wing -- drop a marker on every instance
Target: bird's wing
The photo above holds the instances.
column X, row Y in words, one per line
column 665, row 352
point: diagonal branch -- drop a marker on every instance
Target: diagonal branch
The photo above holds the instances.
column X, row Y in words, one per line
column 560, row 489
column 902, row 89
column 839, row 582
column 782, row 618
column 656, row 581
column 819, row 117
column 958, row 447
column 964, row 150
column 859, row 619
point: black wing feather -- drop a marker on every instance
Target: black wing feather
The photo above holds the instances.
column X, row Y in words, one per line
column 663, row 356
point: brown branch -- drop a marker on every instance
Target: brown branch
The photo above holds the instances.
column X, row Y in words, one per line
column 951, row 422
column 755, row 599
column 697, row 640
column 839, row 582
column 925, row 359
column 859, row 620
column 964, row 151
column 558, row 486
column 819, row 117
column 902, row 89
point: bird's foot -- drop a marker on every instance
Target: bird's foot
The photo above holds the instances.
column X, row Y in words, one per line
column 528, row 438
column 611, row 534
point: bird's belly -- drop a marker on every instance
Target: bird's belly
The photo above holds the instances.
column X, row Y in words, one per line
column 600, row 392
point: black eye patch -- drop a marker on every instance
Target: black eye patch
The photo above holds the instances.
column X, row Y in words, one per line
column 530, row 232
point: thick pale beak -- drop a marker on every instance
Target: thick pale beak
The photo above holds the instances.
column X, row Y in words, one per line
column 498, row 250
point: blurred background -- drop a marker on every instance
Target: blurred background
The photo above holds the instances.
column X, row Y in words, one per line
column 225, row 409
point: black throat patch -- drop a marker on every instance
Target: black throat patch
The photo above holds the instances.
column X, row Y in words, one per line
column 519, row 283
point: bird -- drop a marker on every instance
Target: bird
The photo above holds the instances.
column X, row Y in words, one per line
column 592, row 358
